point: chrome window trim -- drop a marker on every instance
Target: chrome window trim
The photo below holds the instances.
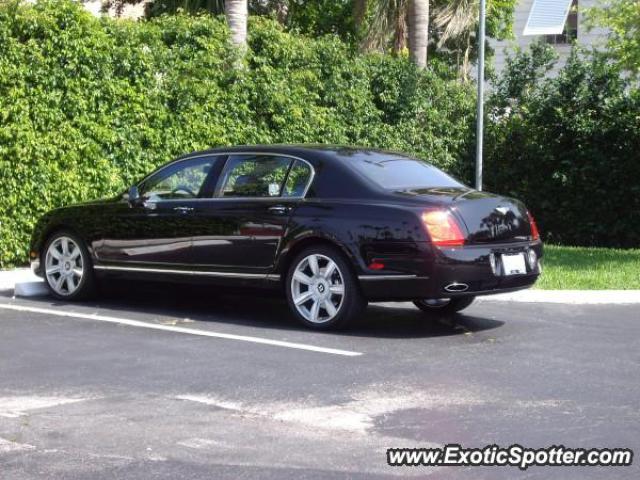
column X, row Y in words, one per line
column 171, row 164
column 119, row 268
column 276, row 199
column 228, row 154
column 272, row 154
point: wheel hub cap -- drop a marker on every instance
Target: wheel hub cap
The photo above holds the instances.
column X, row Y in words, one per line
column 64, row 266
column 317, row 288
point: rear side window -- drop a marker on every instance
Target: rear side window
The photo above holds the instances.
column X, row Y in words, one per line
column 394, row 172
column 298, row 179
column 254, row 176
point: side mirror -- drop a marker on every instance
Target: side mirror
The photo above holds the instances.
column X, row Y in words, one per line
column 134, row 196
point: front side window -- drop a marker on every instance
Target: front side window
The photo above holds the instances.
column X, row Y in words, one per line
column 254, row 176
column 182, row 180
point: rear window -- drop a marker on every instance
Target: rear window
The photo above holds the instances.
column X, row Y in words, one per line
column 394, row 172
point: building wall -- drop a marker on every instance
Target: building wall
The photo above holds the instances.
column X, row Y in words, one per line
column 595, row 37
column 131, row 11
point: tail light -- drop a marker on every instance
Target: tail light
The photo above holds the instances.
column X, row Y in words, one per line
column 535, row 234
column 443, row 228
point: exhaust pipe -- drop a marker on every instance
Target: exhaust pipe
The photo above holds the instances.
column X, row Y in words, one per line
column 457, row 287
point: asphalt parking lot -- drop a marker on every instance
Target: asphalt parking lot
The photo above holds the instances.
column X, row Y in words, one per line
column 247, row 393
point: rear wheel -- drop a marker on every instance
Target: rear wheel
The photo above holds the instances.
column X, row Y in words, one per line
column 444, row 306
column 322, row 289
column 67, row 267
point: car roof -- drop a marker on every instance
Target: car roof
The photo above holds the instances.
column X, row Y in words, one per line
column 335, row 177
column 325, row 150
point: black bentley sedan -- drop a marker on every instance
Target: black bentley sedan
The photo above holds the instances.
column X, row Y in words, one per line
column 333, row 227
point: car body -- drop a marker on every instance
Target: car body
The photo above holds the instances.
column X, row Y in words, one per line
column 239, row 216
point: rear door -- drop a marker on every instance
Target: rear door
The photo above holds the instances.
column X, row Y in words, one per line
column 158, row 231
column 244, row 222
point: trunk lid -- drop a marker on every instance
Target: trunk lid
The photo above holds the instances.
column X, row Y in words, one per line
column 488, row 218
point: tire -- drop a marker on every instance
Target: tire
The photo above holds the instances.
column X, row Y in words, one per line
column 68, row 271
column 337, row 288
column 450, row 307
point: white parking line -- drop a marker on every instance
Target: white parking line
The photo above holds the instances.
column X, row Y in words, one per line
column 7, row 446
column 189, row 331
column 11, row 407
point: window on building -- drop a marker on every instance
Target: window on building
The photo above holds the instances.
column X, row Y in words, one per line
column 570, row 32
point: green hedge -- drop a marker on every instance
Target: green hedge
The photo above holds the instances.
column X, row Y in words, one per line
column 569, row 147
column 88, row 105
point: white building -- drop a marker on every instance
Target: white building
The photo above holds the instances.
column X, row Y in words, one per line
column 132, row 11
column 575, row 28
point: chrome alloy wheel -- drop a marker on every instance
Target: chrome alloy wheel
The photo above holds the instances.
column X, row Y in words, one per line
column 64, row 266
column 317, row 288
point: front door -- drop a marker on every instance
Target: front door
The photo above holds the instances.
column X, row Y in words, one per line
column 244, row 222
column 158, row 231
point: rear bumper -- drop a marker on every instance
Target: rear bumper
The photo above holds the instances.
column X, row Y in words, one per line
column 404, row 289
column 469, row 266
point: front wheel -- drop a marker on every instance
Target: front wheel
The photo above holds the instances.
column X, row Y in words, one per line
column 444, row 306
column 322, row 289
column 67, row 267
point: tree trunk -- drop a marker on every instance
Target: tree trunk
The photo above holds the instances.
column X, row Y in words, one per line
column 359, row 13
column 237, row 13
column 400, row 31
column 418, row 23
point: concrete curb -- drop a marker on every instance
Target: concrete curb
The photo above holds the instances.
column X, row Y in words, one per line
column 24, row 283
column 569, row 297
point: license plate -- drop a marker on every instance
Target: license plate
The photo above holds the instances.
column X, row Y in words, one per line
column 513, row 264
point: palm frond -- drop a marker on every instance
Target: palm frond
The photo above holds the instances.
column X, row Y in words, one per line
column 386, row 21
column 456, row 19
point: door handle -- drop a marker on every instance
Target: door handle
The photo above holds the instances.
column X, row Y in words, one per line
column 279, row 209
column 183, row 209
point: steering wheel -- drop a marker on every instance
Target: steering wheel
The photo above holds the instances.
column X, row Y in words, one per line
column 182, row 188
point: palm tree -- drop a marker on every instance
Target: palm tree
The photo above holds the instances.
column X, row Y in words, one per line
column 395, row 21
column 455, row 23
column 418, row 23
column 386, row 23
column 237, row 12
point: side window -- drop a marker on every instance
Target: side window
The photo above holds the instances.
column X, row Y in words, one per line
column 182, row 180
column 254, row 176
column 297, row 181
